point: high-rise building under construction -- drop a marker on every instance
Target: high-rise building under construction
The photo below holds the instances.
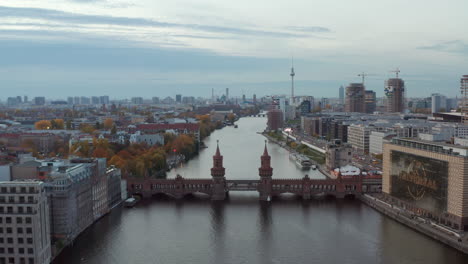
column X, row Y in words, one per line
column 395, row 93
column 355, row 98
column 464, row 101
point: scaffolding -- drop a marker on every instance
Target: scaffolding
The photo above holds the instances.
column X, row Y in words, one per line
column 464, row 104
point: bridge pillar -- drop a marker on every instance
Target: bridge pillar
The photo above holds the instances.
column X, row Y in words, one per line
column 217, row 173
column 266, row 173
column 306, row 191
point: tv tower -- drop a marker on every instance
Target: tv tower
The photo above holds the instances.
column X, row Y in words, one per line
column 292, row 74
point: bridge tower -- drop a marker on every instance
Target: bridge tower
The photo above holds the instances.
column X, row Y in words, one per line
column 217, row 172
column 266, row 173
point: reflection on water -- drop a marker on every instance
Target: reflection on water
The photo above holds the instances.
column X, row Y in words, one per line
column 245, row 230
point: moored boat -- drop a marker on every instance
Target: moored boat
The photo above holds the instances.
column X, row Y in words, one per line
column 301, row 161
column 130, row 202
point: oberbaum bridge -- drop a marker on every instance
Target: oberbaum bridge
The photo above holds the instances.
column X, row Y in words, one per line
column 218, row 186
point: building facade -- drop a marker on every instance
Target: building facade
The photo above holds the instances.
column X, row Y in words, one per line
column 275, row 119
column 24, row 223
column 430, row 179
column 71, row 201
column 338, row 155
column 355, row 98
column 358, row 137
column 370, row 101
column 395, row 91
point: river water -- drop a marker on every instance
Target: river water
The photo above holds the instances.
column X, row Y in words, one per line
column 243, row 230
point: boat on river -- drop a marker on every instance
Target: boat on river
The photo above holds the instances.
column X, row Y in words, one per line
column 130, row 202
column 301, row 161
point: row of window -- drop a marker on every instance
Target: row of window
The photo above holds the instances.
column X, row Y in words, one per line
column 20, row 240
column 19, row 220
column 21, row 199
column 9, row 230
column 20, row 210
column 14, row 189
column 12, row 261
column 20, row 250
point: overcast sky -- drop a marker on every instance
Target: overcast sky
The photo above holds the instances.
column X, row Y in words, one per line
column 125, row 48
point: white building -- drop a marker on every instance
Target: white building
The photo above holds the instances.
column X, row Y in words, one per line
column 358, row 136
column 24, row 222
column 439, row 102
column 377, row 139
column 149, row 139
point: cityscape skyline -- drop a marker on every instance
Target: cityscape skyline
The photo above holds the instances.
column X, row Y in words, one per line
column 122, row 46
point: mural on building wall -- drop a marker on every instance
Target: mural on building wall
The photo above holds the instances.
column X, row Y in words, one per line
column 420, row 181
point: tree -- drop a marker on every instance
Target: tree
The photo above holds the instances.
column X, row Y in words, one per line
column 42, row 124
column 114, row 130
column 108, row 123
column 86, row 128
column 57, row 124
column 231, row 117
column 69, row 124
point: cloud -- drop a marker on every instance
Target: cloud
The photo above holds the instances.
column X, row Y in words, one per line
column 310, row 29
column 454, row 46
column 84, row 19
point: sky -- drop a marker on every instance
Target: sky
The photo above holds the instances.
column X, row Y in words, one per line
column 124, row 48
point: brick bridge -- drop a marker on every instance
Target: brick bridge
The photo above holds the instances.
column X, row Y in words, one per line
column 217, row 186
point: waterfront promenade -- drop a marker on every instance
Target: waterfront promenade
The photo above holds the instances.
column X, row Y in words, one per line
column 457, row 240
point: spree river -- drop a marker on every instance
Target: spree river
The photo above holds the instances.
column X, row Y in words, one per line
column 243, row 230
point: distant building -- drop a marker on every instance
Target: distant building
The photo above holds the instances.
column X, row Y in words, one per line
column 168, row 100
column 85, row 100
column 370, row 101
column 25, row 223
column 178, row 98
column 12, row 101
column 358, row 137
column 155, row 100
column 395, row 91
column 439, row 103
column 39, row 100
column 275, row 119
column 104, row 99
column 137, row 100
column 305, row 107
column 338, row 155
column 95, row 100
column 149, row 139
column 355, row 98
column 341, row 94
column 187, row 128
column 188, row 100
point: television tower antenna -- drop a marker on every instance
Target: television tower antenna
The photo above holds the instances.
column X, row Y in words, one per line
column 292, row 74
column 397, row 71
column 363, row 75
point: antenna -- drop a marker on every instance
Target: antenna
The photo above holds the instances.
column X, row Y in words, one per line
column 397, row 71
column 363, row 75
column 292, row 74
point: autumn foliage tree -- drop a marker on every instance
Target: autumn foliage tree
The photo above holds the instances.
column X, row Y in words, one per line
column 42, row 124
column 49, row 124
column 108, row 123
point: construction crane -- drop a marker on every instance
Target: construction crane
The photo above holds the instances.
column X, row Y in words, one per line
column 363, row 75
column 397, row 71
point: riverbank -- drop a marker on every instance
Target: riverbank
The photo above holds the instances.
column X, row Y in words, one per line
column 282, row 144
column 453, row 239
